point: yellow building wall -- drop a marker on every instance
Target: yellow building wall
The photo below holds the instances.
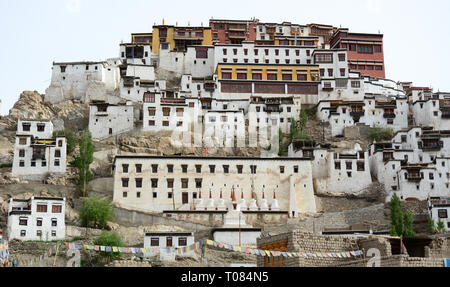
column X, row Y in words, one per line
column 155, row 40
column 207, row 37
column 264, row 69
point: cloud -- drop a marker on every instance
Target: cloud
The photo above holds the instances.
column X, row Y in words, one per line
column 374, row 6
column 73, row 6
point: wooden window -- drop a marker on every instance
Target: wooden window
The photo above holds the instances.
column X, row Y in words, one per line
column 125, row 182
column 22, row 153
column 322, row 72
column 442, row 213
column 154, row 241
column 256, row 52
column 198, row 168
column 226, row 169
column 361, row 166
column 323, row 58
column 348, row 165
column 41, row 208
column 166, row 112
column 23, row 221
column 302, row 77
column 256, row 76
column 40, row 127
column 271, row 77
column 138, row 182
column 154, row 168
column 154, row 182
column 365, row 49
column 170, row 182
column 22, row 141
column 296, row 169
column 182, row 241
column 198, row 183
column 57, row 153
column 287, row 77
column 337, row 165
column 170, row 168
column 56, row 208
column 356, row 84
column 169, row 242
column 151, row 111
column 226, row 75
column 330, row 72
column 342, row 72
column 184, row 168
column 341, row 57
column 184, row 183
column 138, row 168
column 149, row 97
column 39, row 222
column 242, row 76
column 253, row 169
column 239, row 169
column 54, row 222
column 212, row 168
column 180, row 112
column 281, row 169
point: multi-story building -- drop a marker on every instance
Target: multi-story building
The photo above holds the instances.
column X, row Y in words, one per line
column 168, row 240
column 233, row 31
column 335, row 173
column 415, row 164
column 431, row 110
column 81, row 80
column 171, row 183
column 36, row 152
column 392, row 113
column 37, row 218
column 439, row 208
column 365, row 51
column 107, row 120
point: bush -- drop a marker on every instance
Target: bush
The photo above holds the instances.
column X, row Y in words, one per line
column 6, row 165
column 379, row 134
column 96, row 212
column 109, row 239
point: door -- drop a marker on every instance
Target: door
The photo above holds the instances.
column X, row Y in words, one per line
column 185, row 197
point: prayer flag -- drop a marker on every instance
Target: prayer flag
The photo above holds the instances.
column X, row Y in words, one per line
column 209, row 242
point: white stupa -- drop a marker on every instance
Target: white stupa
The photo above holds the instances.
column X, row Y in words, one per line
column 275, row 205
column 200, row 204
column 210, row 205
column 263, row 204
column 221, row 205
column 242, row 202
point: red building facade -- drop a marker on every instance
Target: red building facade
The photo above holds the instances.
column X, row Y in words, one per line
column 365, row 51
column 232, row 31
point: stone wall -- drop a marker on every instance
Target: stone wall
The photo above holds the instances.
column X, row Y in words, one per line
column 439, row 248
column 379, row 243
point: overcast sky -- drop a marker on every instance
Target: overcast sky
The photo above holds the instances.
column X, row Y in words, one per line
column 36, row 33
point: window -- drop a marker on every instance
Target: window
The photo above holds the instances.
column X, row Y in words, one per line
column 365, row 49
column 377, row 48
column 226, row 169
column 256, row 52
column 169, row 242
column 138, row 168
column 33, row 163
column 169, row 195
column 341, row 57
column 43, row 163
column 198, row 168
column 166, row 112
column 242, row 76
column 330, row 72
column 352, row 47
column 184, row 168
column 39, row 233
column 154, row 241
column 54, row 222
column 170, row 183
column 182, row 241
column 342, row 72
column 154, row 168
column 226, row 75
column 356, row 84
column 281, row 169
column 56, row 163
column 138, row 194
column 253, row 169
column 23, row 221
column 22, row 141
column 198, row 183
column 287, row 77
column 212, row 168
column 151, row 111
column 26, row 127
column 149, row 98
column 40, row 127
column 23, row 233
column 154, row 182
column 256, row 76
column 360, row 166
column 323, row 58
column 138, row 182
column 442, row 213
column 125, row 194
column 431, row 176
column 41, row 208
column 224, row 51
column 296, row 169
column 184, row 183
column 57, row 153
column 322, row 72
column 125, row 168
column 337, row 165
column 239, row 169
column 56, row 208
column 125, row 182
column 180, row 112
column 39, row 222
column 170, row 168
column 271, row 77
column 302, row 77
column 22, row 153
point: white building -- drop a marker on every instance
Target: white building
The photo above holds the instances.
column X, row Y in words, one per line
column 106, row 120
column 83, row 80
column 432, row 110
column 440, row 210
column 170, row 183
column 136, row 54
column 372, row 111
column 168, row 240
column 335, row 173
column 415, row 164
column 36, row 152
column 197, row 61
column 37, row 218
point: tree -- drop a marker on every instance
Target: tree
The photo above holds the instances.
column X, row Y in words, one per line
column 303, row 120
column 379, row 134
column 396, row 216
column 401, row 222
column 408, row 230
column 111, row 239
column 431, row 226
column 96, row 212
column 440, row 226
column 70, row 137
column 83, row 162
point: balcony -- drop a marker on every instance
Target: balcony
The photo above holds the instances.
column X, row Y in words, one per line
column 236, row 35
column 209, row 87
column 273, row 109
column 242, row 28
column 389, row 116
column 327, row 88
column 172, row 101
column 414, row 177
column 188, row 36
column 432, row 147
column 445, row 114
column 356, row 114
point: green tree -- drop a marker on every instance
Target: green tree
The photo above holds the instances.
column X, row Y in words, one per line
column 96, row 212
column 70, row 137
column 111, row 239
column 401, row 222
column 408, row 230
column 431, row 226
column 440, row 226
column 396, row 216
column 303, row 120
column 379, row 134
column 83, row 162
column 294, row 130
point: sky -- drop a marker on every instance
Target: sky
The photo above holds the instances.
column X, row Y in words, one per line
column 37, row 33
